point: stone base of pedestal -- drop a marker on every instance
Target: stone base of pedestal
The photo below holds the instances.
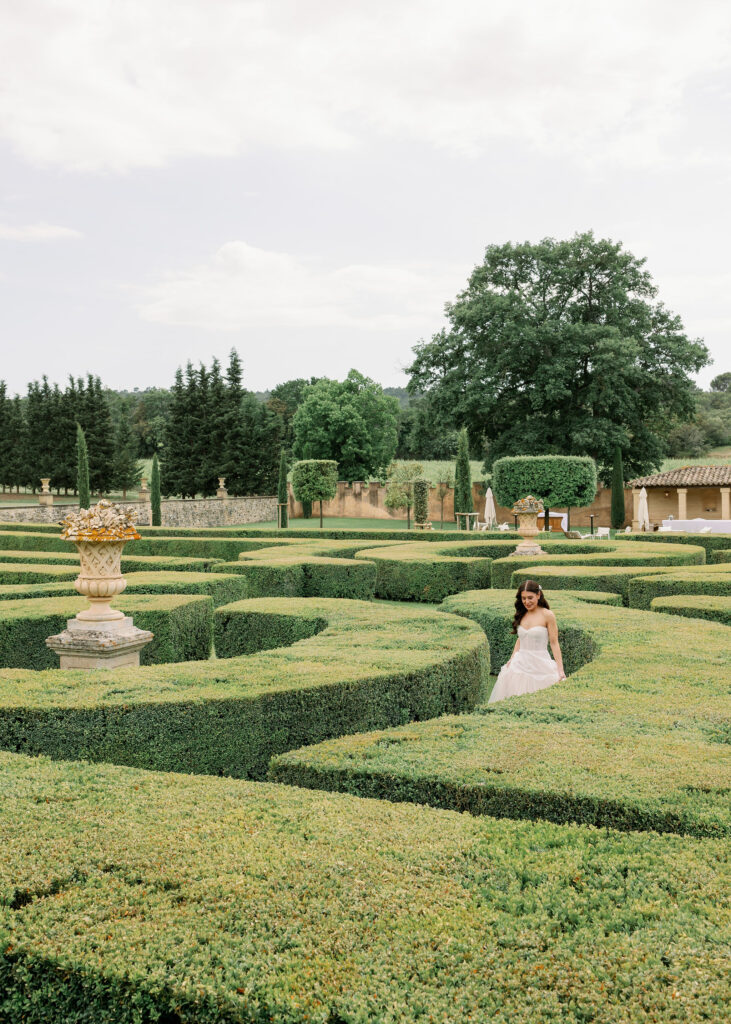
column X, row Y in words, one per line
column 99, row 644
column 529, row 547
column 45, row 499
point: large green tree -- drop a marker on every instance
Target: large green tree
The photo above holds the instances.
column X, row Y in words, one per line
column 561, row 347
column 351, row 422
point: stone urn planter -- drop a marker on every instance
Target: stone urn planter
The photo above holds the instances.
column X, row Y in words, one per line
column 527, row 511
column 100, row 636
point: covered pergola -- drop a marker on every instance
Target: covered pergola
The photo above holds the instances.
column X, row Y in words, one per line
column 692, row 492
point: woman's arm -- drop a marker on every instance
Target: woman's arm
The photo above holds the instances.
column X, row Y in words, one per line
column 553, row 640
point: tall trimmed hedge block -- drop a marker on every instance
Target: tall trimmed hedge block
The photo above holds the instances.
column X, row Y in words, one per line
column 463, row 478
column 558, row 480
column 421, row 501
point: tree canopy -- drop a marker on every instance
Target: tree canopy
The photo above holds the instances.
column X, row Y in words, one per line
column 352, row 422
column 560, row 347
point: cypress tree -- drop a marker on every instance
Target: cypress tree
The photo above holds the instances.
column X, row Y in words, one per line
column 155, row 492
column 5, row 440
column 462, row 476
column 282, row 497
column 82, row 471
column 617, row 490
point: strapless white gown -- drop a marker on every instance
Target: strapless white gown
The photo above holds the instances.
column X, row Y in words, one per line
column 532, row 668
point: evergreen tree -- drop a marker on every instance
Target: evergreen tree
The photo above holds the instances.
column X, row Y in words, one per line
column 462, row 477
column 18, row 432
column 127, row 470
column 5, row 439
column 203, row 453
column 65, row 475
column 216, row 424
column 617, row 519
column 235, row 422
column 96, row 421
column 176, row 442
column 155, row 492
column 82, row 475
column 282, row 495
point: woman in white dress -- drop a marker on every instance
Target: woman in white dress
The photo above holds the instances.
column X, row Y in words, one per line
column 530, row 667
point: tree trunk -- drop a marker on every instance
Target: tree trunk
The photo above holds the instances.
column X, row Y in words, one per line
column 320, row 513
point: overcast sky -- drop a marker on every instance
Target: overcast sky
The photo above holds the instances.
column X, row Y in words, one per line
column 310, row 182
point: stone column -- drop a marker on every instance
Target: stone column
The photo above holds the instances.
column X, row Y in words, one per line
column 45, row 497
column 726, row 503
column 635, row 508
column 144, row 491
column 222, row 492
column 682, row 502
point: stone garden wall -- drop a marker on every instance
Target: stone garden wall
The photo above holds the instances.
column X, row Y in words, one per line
column 368, row 501
column 176, row 512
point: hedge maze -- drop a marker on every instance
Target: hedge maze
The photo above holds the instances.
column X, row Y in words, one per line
column 258, row 825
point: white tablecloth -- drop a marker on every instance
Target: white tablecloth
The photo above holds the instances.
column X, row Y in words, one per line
column 696, row 525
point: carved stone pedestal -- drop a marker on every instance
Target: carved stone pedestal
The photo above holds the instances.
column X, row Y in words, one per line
column 528, row 530
column 90, row 644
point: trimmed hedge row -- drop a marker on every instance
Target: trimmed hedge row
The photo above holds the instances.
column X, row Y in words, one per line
column 131, row 563
column 429, row 572
column 304, row 576
column 221, row 589
column 716, row 609
column 183, row 628
column 365, row 670
column 633, row 740
column 210, row 901
column 210, row 548
column 595, row 553
column 713, row 579
column 23, row 572
column 709, row 541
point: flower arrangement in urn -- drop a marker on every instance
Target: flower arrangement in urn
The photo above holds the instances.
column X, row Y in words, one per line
column 527, row 510
column 104, row 521
column 528, row 506
column 100, row 533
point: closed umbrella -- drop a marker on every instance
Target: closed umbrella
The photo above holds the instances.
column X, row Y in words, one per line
column 643, row 513
column 490, row 513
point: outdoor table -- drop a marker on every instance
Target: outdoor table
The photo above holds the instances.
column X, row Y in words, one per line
column 471, row 518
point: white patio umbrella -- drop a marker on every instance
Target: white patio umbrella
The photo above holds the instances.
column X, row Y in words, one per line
column 490, row 513
column 643, row 514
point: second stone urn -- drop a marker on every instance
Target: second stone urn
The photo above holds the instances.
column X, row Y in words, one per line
column 527, row 511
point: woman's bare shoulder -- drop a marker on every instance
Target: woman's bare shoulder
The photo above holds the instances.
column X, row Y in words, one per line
column 550, row 617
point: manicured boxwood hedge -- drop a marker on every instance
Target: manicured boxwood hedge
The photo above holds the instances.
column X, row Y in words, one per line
column 709, row 541
column 716, row 609
column 365, row 670
column 596, row 553
column 183, row 628
column 169, row 898
column 429, row 572
column 633, row 740
column 23, row 572
column 304, row 576
column 131, row 563
column 221, row 588
column 174, row 547
column 712, row 579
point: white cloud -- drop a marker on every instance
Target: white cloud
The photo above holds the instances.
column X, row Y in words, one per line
column 116, row 86
column 41, row 232
column 242, row 287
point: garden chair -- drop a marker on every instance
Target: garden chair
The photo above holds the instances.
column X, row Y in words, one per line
column 603, row 533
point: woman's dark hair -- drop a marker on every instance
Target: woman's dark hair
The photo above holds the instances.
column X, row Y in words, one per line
column 534, row 588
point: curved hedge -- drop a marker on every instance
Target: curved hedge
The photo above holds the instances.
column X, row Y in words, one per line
column 365, row 670
column 168, row 898
column 183, row 628
column 429, row 572
column 609, row 747
column 222, row 589
column 715, row 609
column 713, row 579
column 588, row 554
